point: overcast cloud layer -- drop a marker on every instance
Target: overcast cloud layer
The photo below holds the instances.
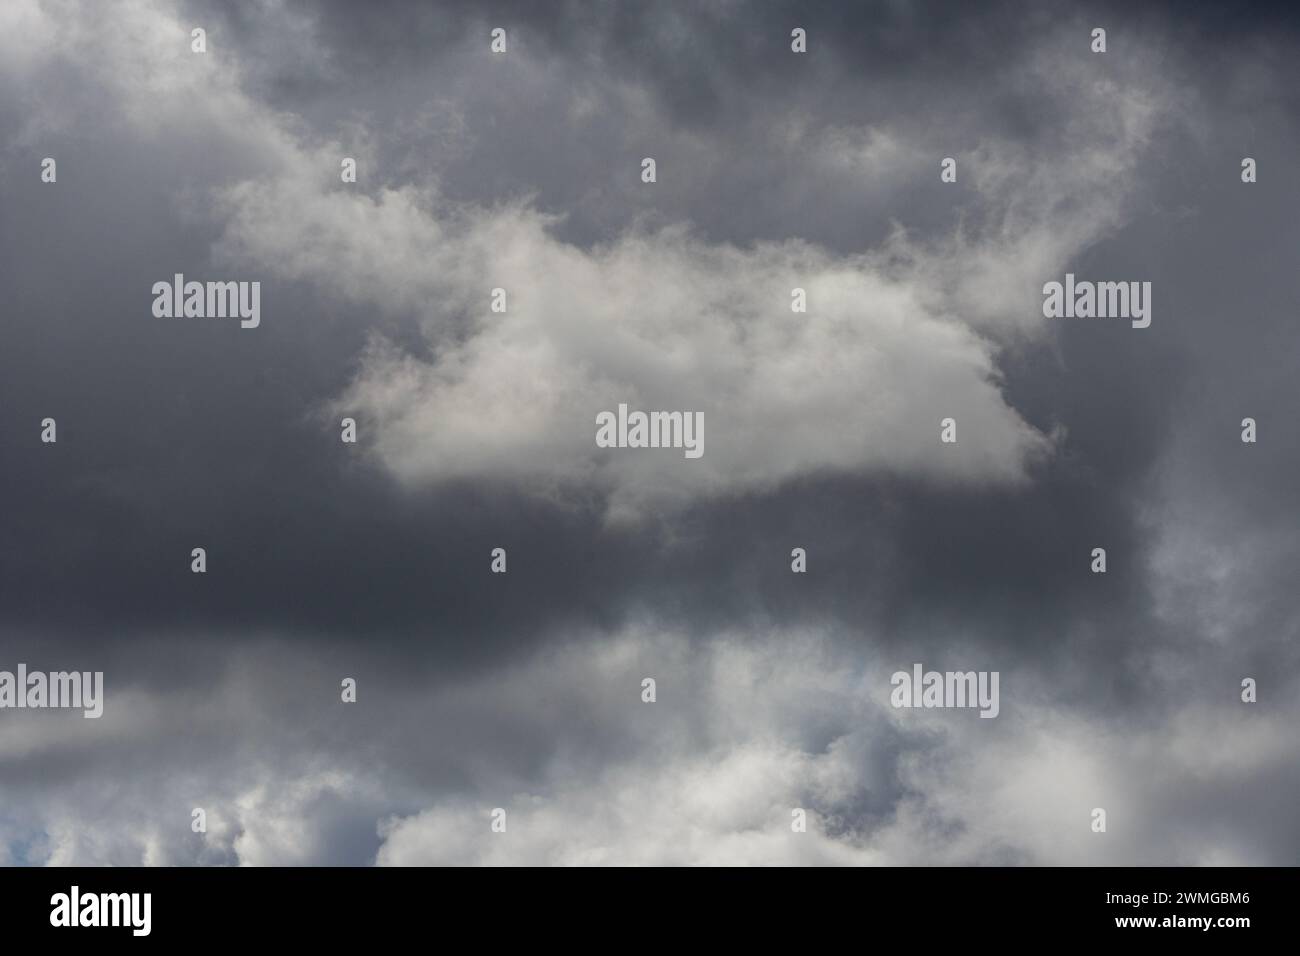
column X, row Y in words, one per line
column 476, row 431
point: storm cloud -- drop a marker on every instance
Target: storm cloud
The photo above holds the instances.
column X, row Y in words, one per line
column 523, row 691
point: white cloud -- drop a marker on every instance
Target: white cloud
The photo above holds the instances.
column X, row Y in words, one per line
column 895, row 339
column 747, row 729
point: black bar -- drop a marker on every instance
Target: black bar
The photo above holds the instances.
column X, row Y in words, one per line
column 993, row 905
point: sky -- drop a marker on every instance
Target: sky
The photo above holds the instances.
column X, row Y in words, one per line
column 523, row 690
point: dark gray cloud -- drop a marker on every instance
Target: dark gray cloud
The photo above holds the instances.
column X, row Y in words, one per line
column 522, row 691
